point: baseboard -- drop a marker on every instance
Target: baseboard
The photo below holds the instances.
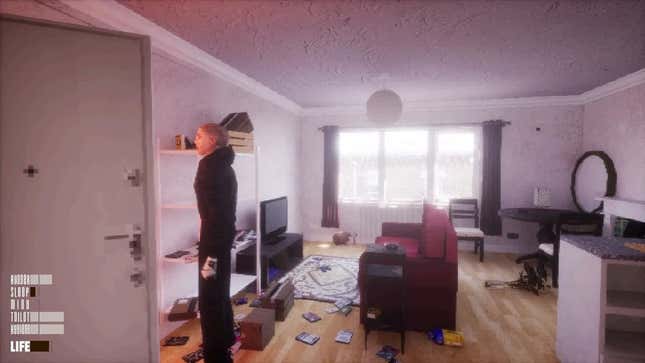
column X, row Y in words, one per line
column 490, row 247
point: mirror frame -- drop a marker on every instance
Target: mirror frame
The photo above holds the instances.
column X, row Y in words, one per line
column 610, row 189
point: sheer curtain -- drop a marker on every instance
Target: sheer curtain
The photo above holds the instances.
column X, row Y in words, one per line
column 385, row 174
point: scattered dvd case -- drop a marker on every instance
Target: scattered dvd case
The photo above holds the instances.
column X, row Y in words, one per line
column 311, row 317
column 307, row 338
column 344, row 336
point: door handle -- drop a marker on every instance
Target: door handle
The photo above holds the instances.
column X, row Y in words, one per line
column 116, row 236
column 135, row 236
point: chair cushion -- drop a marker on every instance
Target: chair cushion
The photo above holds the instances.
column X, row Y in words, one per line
column 546, row 248
column 469, row 232
column 410, row 245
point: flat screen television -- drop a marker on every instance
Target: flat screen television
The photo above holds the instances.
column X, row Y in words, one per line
column 273, row 219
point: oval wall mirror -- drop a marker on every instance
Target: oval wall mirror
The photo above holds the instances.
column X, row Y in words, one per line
column 593, row 176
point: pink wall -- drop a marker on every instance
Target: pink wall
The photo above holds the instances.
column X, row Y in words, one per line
column 616, row 125
column 184, row 97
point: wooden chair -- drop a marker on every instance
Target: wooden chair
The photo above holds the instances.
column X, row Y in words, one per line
column 467, row 209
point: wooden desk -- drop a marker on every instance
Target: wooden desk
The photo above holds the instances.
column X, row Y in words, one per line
column 548, row 219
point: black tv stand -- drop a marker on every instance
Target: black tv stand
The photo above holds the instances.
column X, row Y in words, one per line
column 274, row 240
column 287, row 252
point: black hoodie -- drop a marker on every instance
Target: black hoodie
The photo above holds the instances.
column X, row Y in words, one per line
column 216, row 191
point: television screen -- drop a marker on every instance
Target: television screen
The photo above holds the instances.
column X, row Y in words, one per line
column 273, row 218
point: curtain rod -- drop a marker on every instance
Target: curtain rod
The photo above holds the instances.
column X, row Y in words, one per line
column 443, row 124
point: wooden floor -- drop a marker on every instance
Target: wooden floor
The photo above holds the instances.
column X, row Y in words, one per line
column 499, row 325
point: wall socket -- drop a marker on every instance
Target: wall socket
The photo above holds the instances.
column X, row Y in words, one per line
column 512, row 235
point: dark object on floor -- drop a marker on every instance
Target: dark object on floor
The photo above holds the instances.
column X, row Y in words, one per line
column 257, row 329
column 279, row 297
column 387, row 352
column 174, row 341
column 256, row 303
column 311, row 317
column 531, row 279
column 307, row 338
column 237, row 121
column 194, row 357
column 341, row 238
column 324, row 268
column 183, row 309
column 241, row 300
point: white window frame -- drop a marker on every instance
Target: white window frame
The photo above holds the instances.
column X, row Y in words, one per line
column 431, row 159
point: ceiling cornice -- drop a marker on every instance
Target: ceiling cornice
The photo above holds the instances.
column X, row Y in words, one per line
column 429, row 106
column 121, row 18
column 608, row 89
column 623, row 83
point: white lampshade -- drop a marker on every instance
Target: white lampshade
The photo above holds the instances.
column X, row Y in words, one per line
column 384, row 106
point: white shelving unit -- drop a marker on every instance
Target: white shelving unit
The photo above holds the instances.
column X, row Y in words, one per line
column 179, row 226
column 624, row 312
column 601, row 308
column 601, row 301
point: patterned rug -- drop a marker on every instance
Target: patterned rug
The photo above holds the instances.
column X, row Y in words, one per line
column 326, row 278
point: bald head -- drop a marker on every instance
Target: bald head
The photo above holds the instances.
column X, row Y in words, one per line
column 209, row 137
column 220, row 133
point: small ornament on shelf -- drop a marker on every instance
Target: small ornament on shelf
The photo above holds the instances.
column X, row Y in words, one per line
column 183, row 143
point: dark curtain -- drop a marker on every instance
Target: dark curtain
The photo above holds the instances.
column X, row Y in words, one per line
column 490, row 222
column 330, row 178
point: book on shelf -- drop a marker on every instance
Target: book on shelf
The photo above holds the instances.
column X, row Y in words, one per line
column 188, row 255
column 244, row 238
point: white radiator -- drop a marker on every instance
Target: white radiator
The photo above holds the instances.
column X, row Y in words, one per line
column 365, row 219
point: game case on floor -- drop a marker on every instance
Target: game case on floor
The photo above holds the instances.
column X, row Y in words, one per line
column 311, row 317
column 307, row 338
column 173, row 341
column 344, row 336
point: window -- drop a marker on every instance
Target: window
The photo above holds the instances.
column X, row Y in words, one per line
column 358, row 166
column 407, row 165
column 453, row 166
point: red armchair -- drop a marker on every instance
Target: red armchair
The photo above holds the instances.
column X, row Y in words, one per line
column 430, row 269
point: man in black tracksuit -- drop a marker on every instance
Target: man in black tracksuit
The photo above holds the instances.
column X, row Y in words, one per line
column 216, row 191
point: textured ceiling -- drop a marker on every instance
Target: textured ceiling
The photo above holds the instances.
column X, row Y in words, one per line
column 333, row 53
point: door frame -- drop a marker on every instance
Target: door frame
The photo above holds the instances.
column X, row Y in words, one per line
column 151, row 229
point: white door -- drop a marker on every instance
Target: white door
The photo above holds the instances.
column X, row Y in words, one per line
column 72, row 107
